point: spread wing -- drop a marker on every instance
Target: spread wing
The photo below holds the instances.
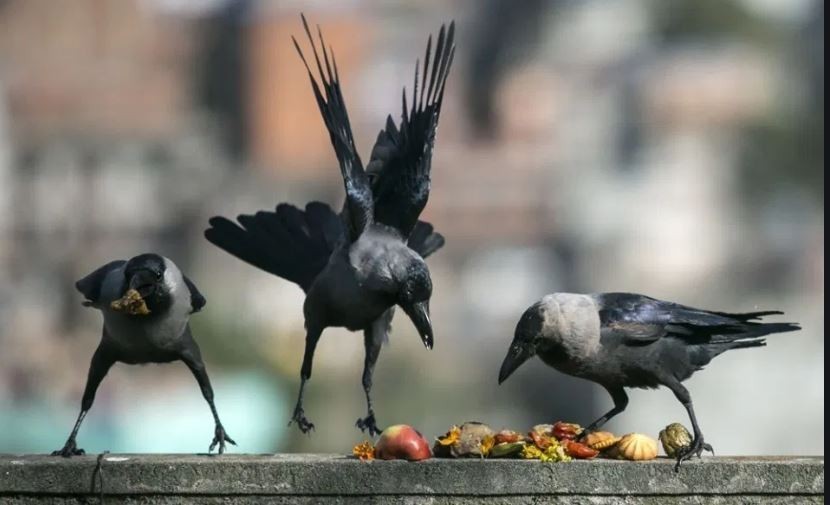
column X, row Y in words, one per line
column 90, row 286
column 399, row 167
column 291, row 243
column 358, row 207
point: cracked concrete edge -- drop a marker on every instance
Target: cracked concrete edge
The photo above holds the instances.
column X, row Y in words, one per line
column 317, row 475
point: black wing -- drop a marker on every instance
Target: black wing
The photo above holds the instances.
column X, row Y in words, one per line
column 197, row 300
column 90, row 286
column 639, row 320
column 333, row 109
column 400, row 163
column 290, row 243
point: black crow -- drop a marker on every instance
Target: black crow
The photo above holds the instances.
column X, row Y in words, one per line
column 156, row 332
column 357, row 266
column 621, row 340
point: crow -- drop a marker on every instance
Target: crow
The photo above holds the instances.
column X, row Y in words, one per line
column 357, row 266
column 621, row 340
column 156, row 332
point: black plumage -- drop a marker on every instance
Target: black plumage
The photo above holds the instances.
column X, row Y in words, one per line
column 621, row 340
column 356, row 266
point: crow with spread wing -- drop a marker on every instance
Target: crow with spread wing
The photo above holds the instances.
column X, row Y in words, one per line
column 356, row 267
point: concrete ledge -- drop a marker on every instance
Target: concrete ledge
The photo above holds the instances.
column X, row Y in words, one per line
column 313, row 478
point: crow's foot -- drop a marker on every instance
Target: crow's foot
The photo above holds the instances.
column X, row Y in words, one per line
column 69, row 450
column 299, row 417
column 219, row 438
column 696, row 448
column 368, row 423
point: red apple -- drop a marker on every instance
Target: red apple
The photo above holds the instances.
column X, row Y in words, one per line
column 402, row 441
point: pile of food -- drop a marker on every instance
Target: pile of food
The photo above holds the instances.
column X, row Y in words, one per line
column 546, row 442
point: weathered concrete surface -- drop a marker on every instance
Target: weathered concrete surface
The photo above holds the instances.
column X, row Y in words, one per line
column 306, row 478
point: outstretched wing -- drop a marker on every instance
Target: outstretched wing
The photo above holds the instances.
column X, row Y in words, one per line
column 90, row 286
column 399, row 167
column 333, row 109
column 640, row 320
column 290, row 243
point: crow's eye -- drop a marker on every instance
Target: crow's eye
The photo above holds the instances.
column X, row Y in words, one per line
column 158, row 275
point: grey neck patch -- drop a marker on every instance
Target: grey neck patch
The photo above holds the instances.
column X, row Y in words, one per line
column 571, row 322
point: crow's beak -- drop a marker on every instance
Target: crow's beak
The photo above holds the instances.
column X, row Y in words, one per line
column 144, row 281
column 419, row 314
column 517, row 355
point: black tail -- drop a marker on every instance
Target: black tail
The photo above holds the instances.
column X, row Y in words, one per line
column 424, row 240
column 290, row 243
column 747, row 335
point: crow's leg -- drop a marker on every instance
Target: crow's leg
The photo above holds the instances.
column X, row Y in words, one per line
column 697, row 446
column 373, row 338
column 101, row 362
column 311, row 338
column 620, row 403
column 192, row 357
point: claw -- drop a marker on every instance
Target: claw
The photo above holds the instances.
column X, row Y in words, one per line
column 69, row 450
column 368, row 423
column 696, row 448
column 219, row 438
column 302, row 422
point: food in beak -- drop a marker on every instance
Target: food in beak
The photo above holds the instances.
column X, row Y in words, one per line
column 131, row 303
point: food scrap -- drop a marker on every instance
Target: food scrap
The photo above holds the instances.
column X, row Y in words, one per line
column 364, row 451
column 487, row 444
column 554, row 452
column 466, row 441
column 578, row 450
column 131, row 303
column 402, row 441
column 555, row 442
column 566, row 431
column 600, row 440
column 450, row 437
column 675, row 437
column 636, row 447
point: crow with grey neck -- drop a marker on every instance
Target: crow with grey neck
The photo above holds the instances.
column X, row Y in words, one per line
column 357, row 266
column 621, row 340
column 158, row 333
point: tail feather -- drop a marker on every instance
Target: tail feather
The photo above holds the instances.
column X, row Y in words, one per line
column 290, row 243
column 750, row 331
column 748, row 316
column 424, row 240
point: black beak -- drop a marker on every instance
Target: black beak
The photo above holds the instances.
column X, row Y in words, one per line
column 419, row 314
column 517, row 355
column 144, row 281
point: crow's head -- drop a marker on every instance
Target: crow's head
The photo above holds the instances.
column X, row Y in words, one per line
column 526, row 340
column 148, row 274
column 414, row 292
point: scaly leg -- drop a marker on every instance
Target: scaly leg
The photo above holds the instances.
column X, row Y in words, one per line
column 311, row 338
column 192, row 357
column 373, row 338
column 101, row 362
column 698, row 445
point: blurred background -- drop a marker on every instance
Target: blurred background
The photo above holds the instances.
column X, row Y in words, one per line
column 673, row 148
